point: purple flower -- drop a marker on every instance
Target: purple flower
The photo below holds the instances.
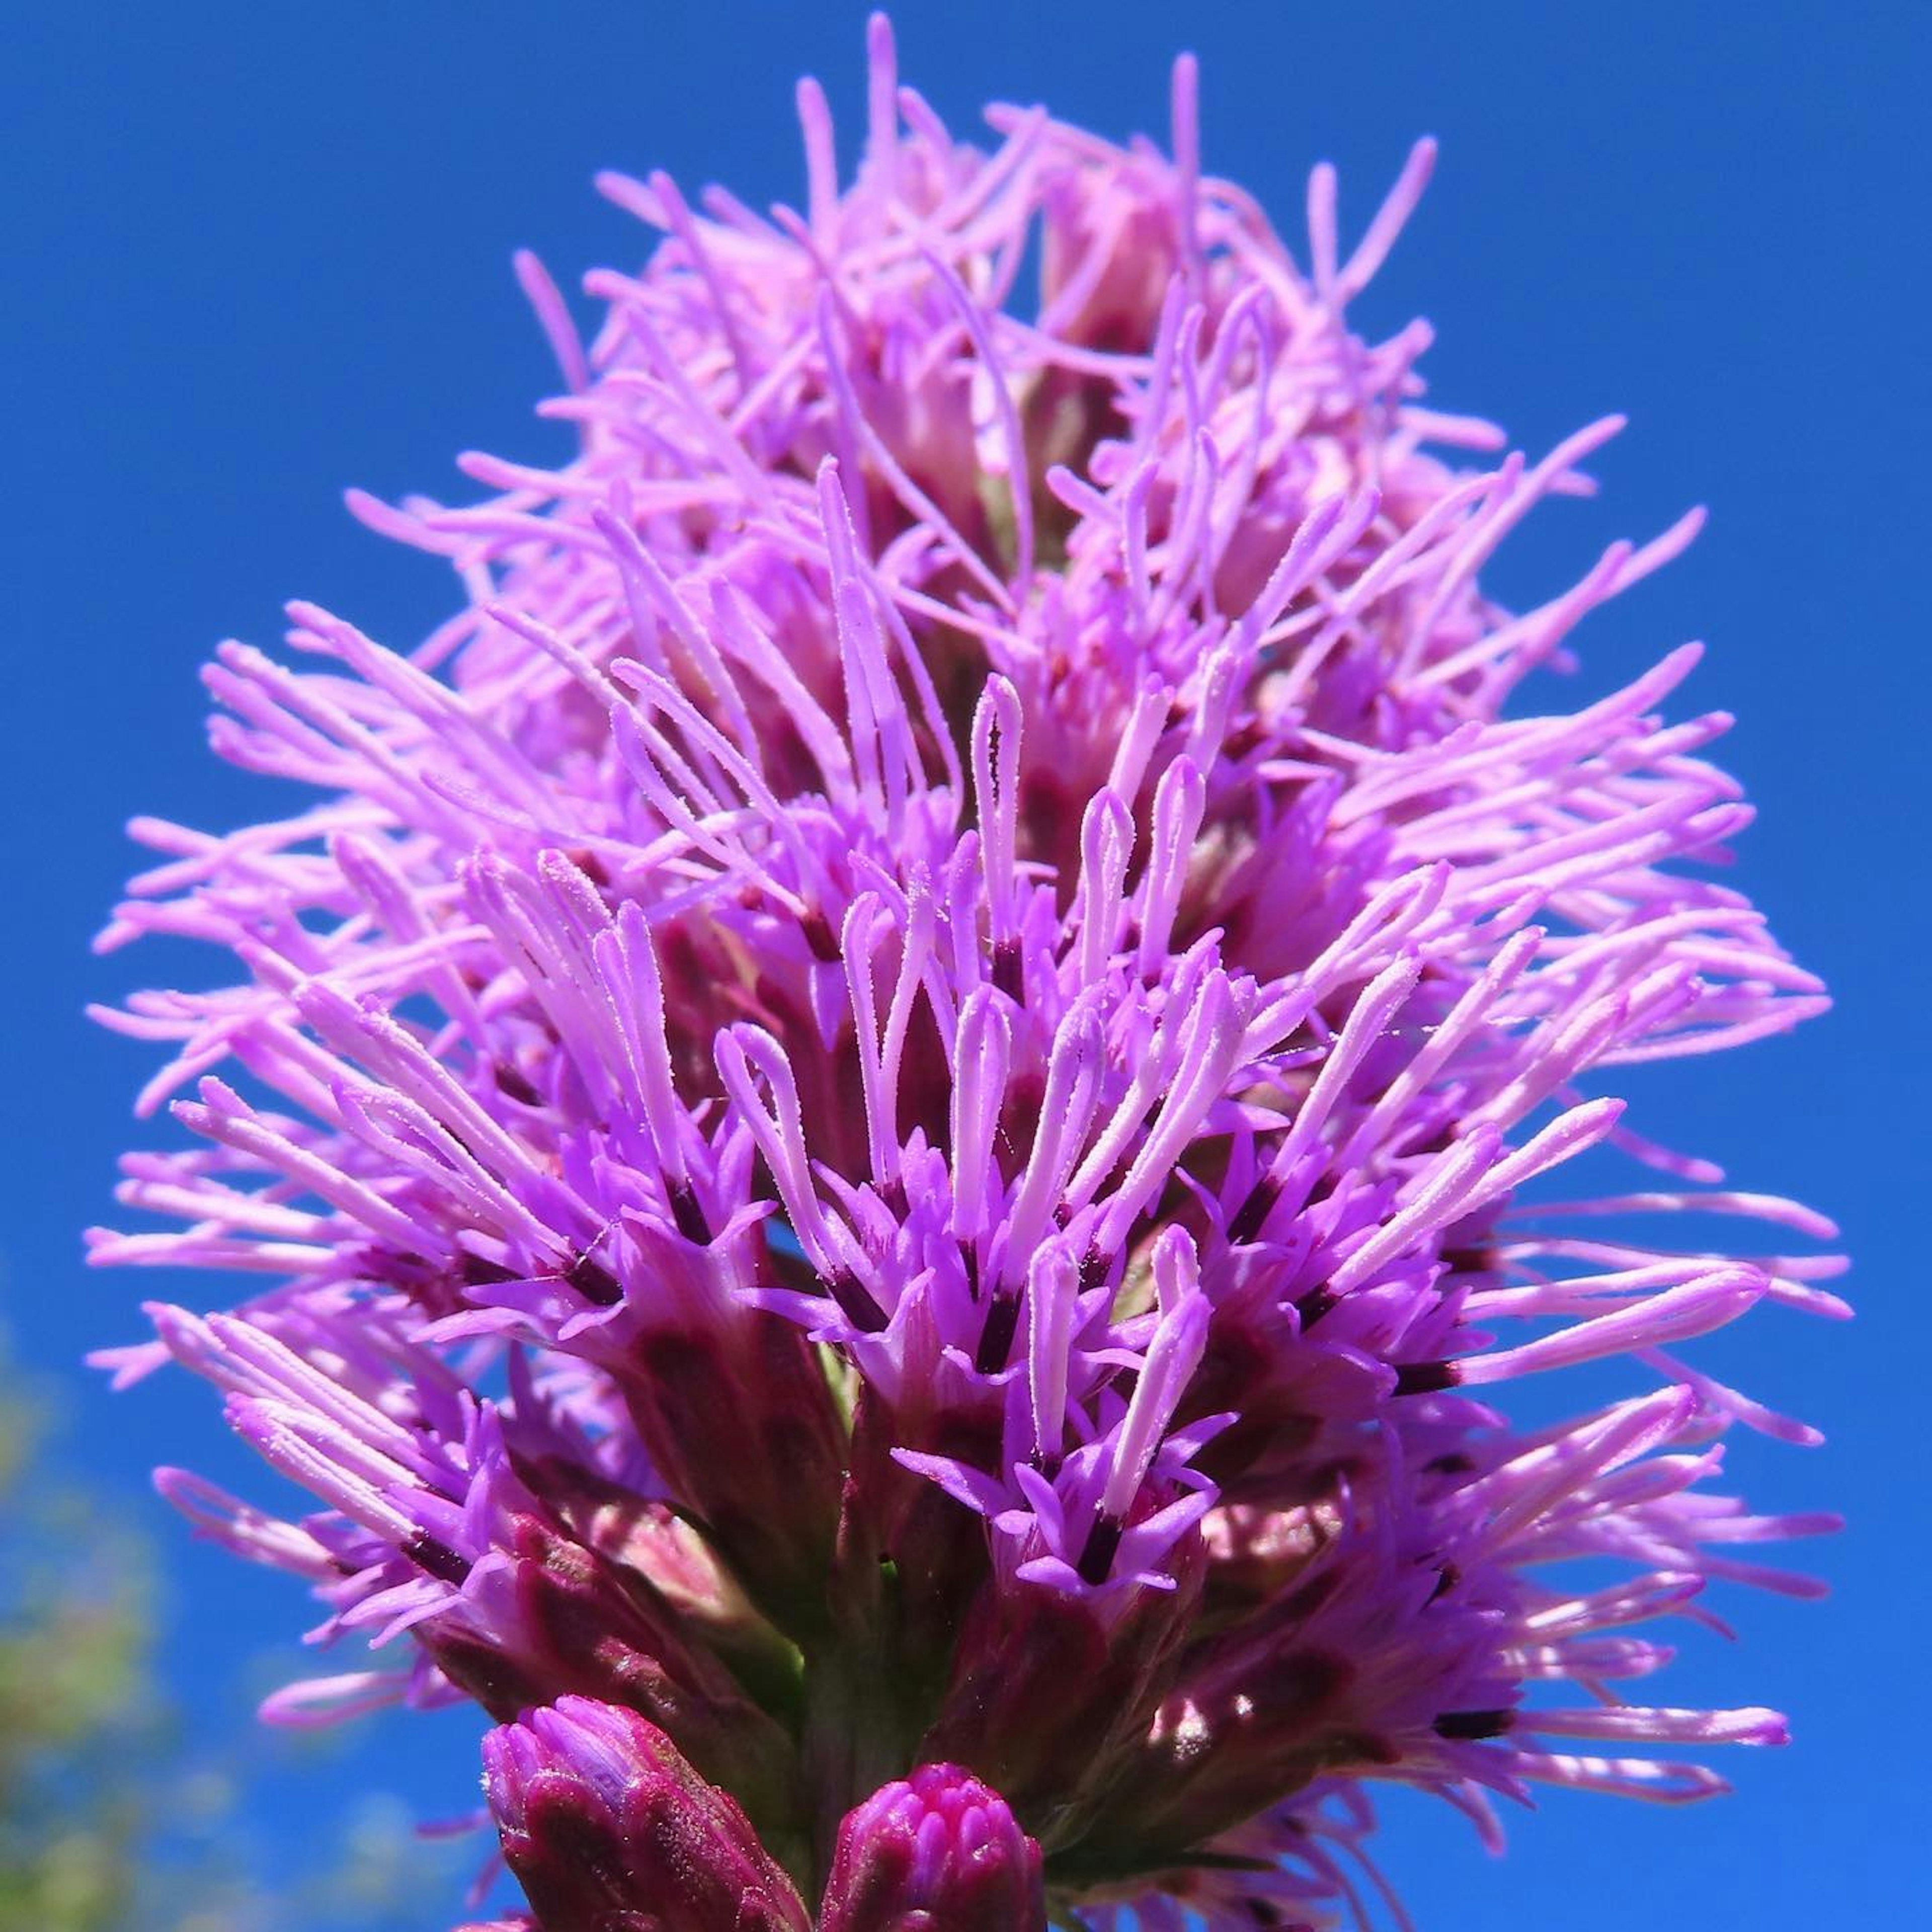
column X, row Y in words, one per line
column 895, row 1107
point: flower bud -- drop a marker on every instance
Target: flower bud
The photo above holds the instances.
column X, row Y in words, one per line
column 606, row 1825
column 938, row 1851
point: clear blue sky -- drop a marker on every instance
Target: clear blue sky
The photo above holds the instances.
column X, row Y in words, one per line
column 254, row 254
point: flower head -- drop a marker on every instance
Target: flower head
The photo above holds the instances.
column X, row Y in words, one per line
column 893, row 1111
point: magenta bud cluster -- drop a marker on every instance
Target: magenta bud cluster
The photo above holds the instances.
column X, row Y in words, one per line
column 895, row 1123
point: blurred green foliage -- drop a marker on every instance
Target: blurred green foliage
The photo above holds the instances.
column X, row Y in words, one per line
column 107, row 1823
column 76, row 1708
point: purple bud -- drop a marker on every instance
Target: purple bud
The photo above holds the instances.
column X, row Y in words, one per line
column 602, row 1818
column 939, row 1851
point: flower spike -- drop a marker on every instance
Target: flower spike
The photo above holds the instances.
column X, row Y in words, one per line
column 895, row 1123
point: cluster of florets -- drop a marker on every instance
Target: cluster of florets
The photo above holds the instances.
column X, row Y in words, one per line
column 883, row 1105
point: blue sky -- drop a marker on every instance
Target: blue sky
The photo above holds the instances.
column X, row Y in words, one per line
column 255, row 254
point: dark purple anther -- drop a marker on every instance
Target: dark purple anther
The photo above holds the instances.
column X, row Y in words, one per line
column 1253, row 1212
column 1096, row 1553
column 594, row 1281
column 1471, row 1726
column 996, row 1338
column 687, row 1215
column 1009, row 975
column 854, row 1302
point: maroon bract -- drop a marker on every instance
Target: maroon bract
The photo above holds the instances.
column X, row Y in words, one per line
column 892, row 1108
